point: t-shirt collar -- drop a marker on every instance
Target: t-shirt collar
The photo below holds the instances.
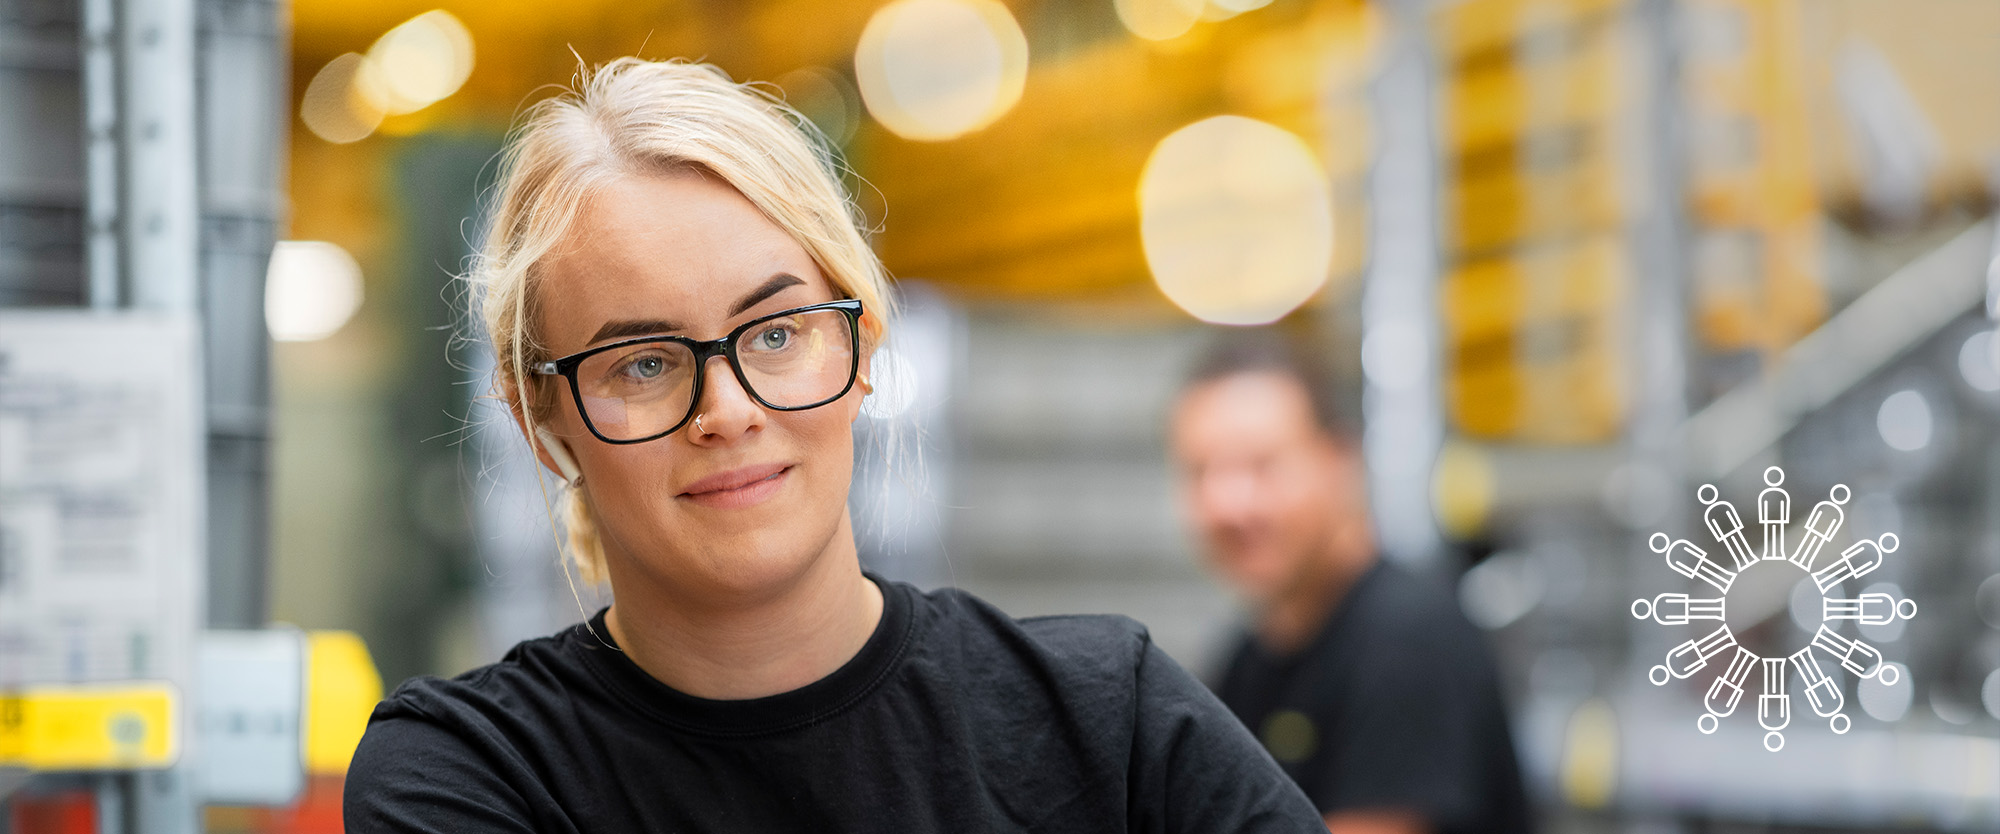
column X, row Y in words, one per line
column 808, row 704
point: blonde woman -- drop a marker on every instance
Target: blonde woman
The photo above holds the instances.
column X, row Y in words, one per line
column 683, row 311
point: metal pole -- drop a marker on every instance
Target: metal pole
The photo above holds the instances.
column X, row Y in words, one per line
column 242, row 93
column 1401, row 400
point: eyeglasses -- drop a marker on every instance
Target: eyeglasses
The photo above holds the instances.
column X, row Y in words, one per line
column 647, row 388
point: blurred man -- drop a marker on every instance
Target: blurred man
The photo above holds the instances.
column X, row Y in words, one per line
column 1365, row 682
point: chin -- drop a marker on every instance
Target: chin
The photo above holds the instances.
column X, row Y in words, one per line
column 745, row 554
column 1255, row 576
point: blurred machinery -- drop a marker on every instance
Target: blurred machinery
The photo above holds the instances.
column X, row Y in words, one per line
column 140, row 194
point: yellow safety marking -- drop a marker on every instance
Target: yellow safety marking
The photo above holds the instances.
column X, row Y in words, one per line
column 121, row 726
column 342, row 688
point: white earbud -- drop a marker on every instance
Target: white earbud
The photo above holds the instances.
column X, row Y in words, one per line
column 559, row 453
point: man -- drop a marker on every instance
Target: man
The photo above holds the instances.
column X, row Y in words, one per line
column 1365, row 682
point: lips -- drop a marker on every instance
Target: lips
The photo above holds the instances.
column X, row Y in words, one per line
column 738, row 487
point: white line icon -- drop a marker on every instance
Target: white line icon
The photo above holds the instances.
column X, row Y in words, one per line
column 1774, row 707
column 1863, row 660
column 1870, row 609
column 1689, row 657
column 1822, row 692
column 1858, row 560
column 1774, row 511
column 1725, row 525
column 1728, row 687
column 1692, row 562
column 1678, row 609
column 1820, row 527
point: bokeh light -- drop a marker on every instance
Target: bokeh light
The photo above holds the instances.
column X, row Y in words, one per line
column 411, row 67
column 311, row 290
column 932, row 70
column 1977, row 363
column 1881, row 698
column 332, row 109
column 1158, row 20
column 1238, row 6
column 1237, row 220
column 1905, row 421
column 416, row 64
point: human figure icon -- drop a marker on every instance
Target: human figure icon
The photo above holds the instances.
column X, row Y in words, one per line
column 1725, row 525
column 1820, row 526
column 1774, row 511
column 1692, row 562
column 1822, row 692
column 1677, row 609
column 1774, row 707
column 1858, row 560
column 1870, row 609
column 1727, row 690
column 1689, row 657
column 1863, row 660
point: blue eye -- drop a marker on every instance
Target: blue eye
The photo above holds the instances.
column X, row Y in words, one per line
column 774, row 338
column 646, row 367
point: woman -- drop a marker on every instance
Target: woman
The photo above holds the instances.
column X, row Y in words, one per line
column 683, row 310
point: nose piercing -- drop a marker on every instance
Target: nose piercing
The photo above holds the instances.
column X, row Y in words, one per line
column 697, row 424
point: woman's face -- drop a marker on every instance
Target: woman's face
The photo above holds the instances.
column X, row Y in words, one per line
column 754, row 497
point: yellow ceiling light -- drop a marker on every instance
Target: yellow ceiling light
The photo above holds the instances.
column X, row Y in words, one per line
column 333, row 109
column 1158, row 20
column 932, row 70
column 417, row 64
column 1239, row 6
column 1236, row 218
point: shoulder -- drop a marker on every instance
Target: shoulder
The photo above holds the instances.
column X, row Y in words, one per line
column 1074, row 640
column 1404, row 631
column 1393, row 601
column 491, row 713
column 533, row 671
column 455, row 754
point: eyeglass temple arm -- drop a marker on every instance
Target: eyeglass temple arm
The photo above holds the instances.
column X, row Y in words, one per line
column 544, row 368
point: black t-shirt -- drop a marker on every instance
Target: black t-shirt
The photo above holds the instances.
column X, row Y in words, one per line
column 953, row 717
column 1395, row 704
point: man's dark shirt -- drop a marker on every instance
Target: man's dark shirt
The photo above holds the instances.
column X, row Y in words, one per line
column 952, row 717
column 1393, row 705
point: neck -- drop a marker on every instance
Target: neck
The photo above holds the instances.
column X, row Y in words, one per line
column 751, row 647
column 1290, row 619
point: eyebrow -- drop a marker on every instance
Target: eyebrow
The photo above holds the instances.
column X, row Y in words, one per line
column 627, row 328
column 777, row 283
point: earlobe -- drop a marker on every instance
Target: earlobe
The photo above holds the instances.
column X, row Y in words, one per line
column 559, row 453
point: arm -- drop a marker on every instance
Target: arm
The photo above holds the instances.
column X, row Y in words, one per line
column 1196, row 769
column 410, row 775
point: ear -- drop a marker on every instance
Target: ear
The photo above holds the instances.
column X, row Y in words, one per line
column 553, row 453
column 862, row 373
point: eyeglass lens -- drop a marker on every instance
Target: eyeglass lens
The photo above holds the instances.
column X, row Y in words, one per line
column 795, row 361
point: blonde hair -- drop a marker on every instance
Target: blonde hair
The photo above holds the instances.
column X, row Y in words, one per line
column 633, row 117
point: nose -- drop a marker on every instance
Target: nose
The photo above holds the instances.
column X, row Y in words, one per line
column 725, row 411
column 1225, row 497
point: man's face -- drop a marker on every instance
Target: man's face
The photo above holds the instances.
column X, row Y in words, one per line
column 1262, row 483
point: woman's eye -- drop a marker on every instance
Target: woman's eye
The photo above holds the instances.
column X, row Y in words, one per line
column 645, row 367
column 774, row 338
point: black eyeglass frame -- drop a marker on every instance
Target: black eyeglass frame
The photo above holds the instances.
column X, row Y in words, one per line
column 705, row 350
